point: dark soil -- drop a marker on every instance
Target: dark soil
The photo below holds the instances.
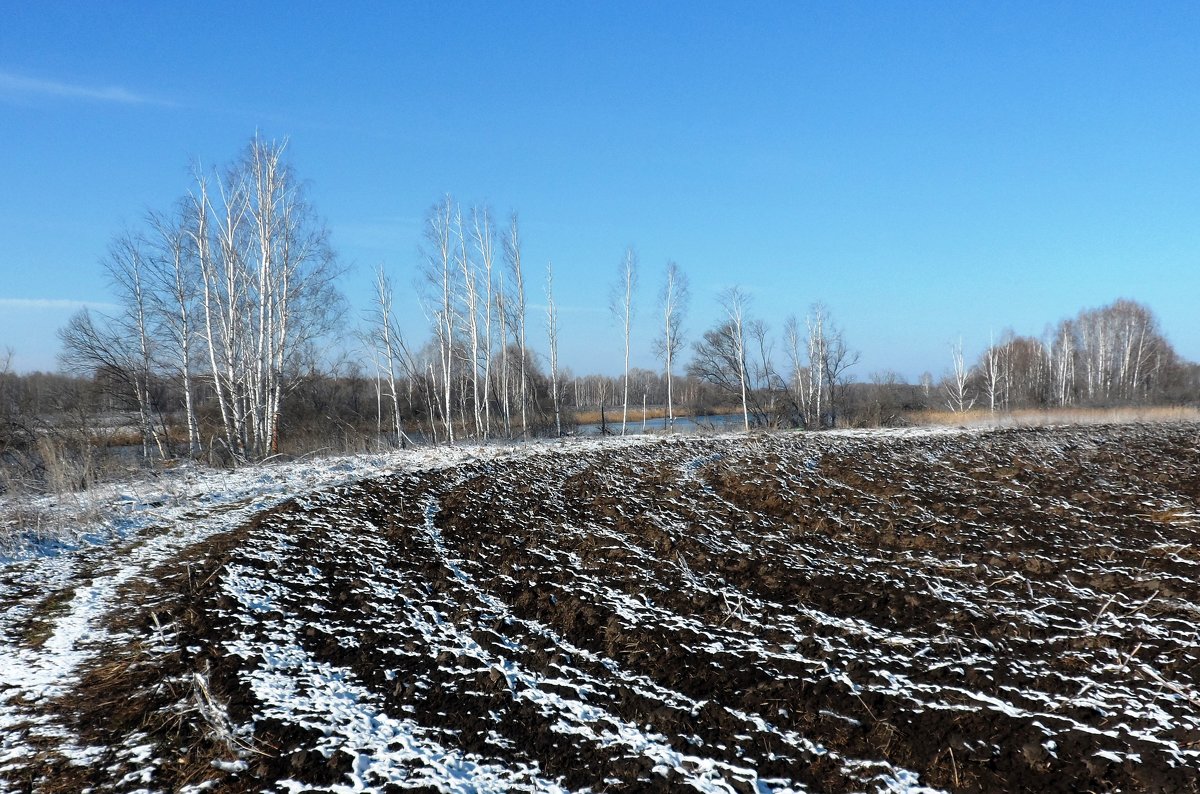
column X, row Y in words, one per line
column 1003, row 611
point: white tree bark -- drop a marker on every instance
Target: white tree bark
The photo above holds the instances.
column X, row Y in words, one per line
column 622, row 307
column 470, row 287
column 799, row 382
column 177, row 284
column 512, row 250
column 673, row 302
column 440, row 273
column 484, row 236
column 388, row 343
column 552, row 337
column 818, row 346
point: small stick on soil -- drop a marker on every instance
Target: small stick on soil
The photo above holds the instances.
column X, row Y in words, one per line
column 1170, row 685
column 1129, row 656
column 218, row 570
column 1103, row 609
column 954, row 767
column 1144, row 604
column 865, row 706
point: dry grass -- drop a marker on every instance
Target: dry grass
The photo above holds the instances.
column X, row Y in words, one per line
column 1057, row 416
column 27, row 521
column 652, row 412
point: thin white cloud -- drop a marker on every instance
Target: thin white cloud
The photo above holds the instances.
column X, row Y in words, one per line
column 15, row 85
column 52, row 303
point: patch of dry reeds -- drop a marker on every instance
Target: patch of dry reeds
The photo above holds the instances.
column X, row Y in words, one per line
column 1041, row 417
column 636, row 414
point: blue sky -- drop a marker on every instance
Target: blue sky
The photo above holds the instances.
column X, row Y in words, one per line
column 928, row 170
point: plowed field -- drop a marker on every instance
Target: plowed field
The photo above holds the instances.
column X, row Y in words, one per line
column 1010, row 610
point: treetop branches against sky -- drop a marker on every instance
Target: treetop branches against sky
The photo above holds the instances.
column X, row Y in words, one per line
column 929, row 171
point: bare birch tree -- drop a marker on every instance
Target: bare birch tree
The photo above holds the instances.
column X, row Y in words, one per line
column 504, row 325
column 268, row 290
column 673, row 303
column 484, row 236
column 958, row 398
column 469, row 283
column 621, row 305
column 1061, row 351
column 120, row 345
column 818, row 354
column 440, row 276
column 215, row 229
column 719, row 360
column 552, row 339
column 174, row 271
column 128, row 270
column 734, row 301
column 800, row 382
column 830, row 360
column 992, row 373
column 389, row 346
column 512, row 252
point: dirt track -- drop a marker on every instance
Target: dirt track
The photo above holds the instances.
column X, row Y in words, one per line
column 1002, row 611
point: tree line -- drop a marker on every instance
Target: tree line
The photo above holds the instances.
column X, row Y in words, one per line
column 1108, row 356
column 225, row 300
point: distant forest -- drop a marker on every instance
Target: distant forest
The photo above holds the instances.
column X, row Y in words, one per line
column 229, row 299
